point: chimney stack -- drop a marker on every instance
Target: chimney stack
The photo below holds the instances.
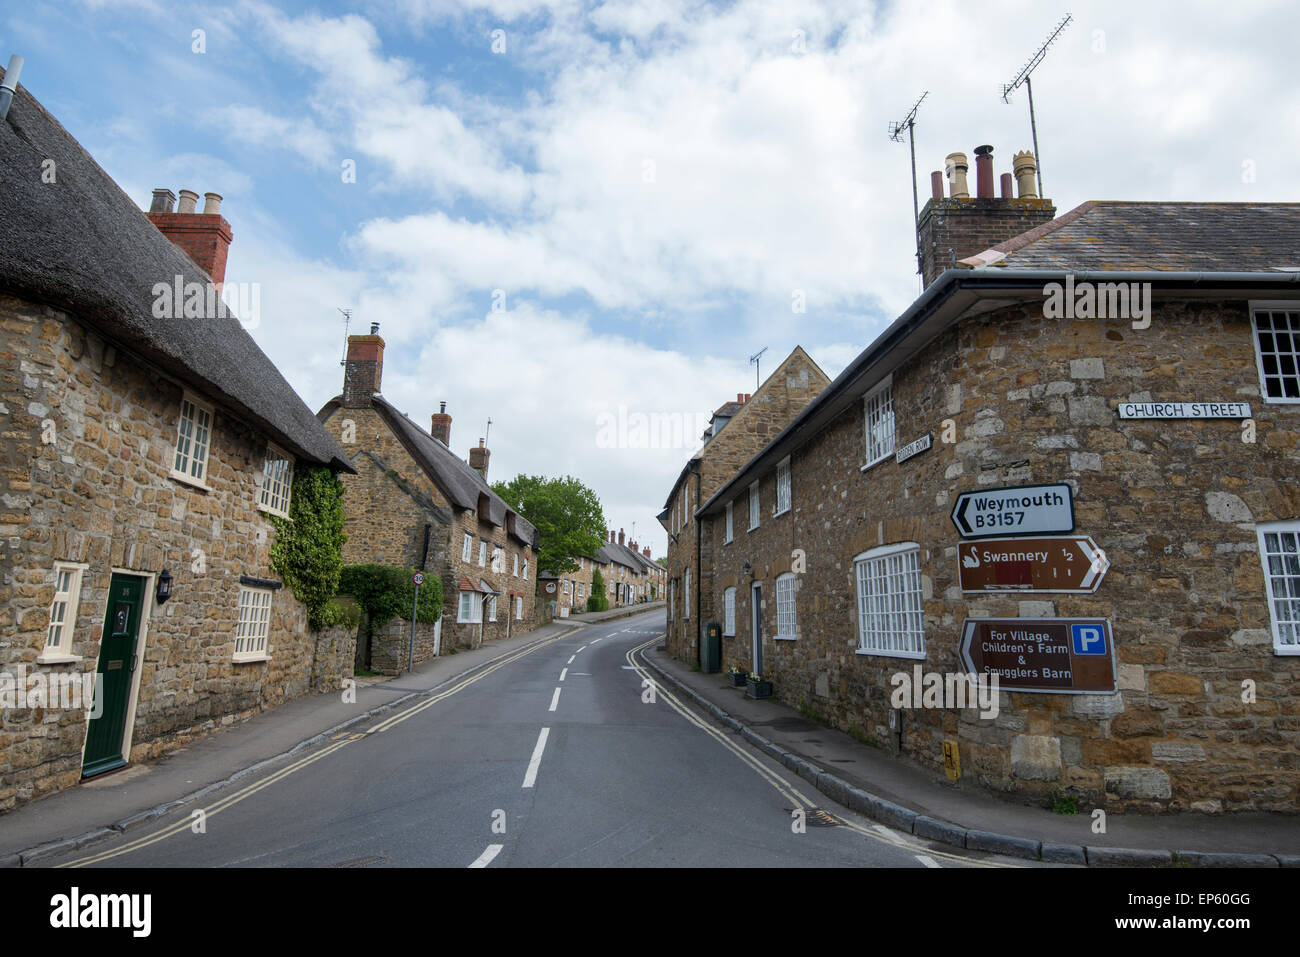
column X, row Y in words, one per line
column 478, row 459
column 959, row 226
column 611, row 536
column 363, row 369
column 646, row 551
column 620, row 536
column 441, row 428
column 204, row 236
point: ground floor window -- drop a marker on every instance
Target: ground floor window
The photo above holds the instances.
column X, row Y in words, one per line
column 729, row 610
column 471, row 610
column 786, row 624
column 519, row 608
column 1279, row 550
column 890, row 620
column 254, row 623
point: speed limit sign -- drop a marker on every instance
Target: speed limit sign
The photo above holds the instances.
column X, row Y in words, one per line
column 418, row 578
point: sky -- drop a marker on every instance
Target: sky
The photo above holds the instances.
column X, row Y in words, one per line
column 567, row 215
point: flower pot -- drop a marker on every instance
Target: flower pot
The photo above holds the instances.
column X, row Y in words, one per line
column 738, row 680
column 758, row 689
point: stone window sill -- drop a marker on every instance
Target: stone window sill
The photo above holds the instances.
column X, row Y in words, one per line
column 190, row 481
column 252, row 659
column 913, row 655
column 56, row 658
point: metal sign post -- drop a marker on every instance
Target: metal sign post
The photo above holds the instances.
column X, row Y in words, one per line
column 418, row 579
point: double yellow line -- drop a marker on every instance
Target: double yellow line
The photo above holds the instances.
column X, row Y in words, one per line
column 235, row 797
column 783, row 786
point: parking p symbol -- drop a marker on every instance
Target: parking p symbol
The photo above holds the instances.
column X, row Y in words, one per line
column 1088, row 639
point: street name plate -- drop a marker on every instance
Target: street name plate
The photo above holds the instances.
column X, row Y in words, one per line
column 1184, row 410
column 1072, row 565
column 1050, row 655
column 1025, row 509
column 914, row 448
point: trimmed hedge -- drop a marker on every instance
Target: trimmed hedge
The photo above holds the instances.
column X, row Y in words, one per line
column 384, row 592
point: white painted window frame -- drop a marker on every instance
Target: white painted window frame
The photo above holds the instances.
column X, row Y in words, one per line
column 467, row 548
column 1273, row 306
column 185, row 473
column 787, row 618
column 892, row 642
column 686, row 590
column 729, row 612
column 881, row 410
column 519, row 608
column 65, row 604
column 1282, row 575
column 755, row 507
column 783, row 491
column 253, row 624
column 730, row 527
column 277, row 482
column 474, row 605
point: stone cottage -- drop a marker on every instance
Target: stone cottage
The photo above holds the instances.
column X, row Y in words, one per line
column 737, row 431
column 1072, row 463
column 413, row 503
column 146, row 441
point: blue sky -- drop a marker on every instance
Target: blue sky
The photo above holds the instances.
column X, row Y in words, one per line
column 642, row 186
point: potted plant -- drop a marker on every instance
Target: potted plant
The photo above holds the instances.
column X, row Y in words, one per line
column 738, row 677
column 758, row 686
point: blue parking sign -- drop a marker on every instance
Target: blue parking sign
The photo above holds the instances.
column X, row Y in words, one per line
column 1088, row 639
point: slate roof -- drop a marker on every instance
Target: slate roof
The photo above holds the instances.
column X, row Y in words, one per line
column 461, row 484
column 80, row 244
column 1186, row 237
column 612, row 551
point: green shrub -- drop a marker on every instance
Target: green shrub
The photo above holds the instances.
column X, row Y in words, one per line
column 339, row 613
column 598, row 600
column 384, row 592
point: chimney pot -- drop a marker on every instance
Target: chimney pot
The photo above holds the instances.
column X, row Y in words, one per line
column 442, row 406
column 936, row 184
column 211, row 204
column 374, row 328
column 164, row 201
column 984, row 172
column 1024, row 167
column 1008, row 190
column 956, row 166
column 189, row 199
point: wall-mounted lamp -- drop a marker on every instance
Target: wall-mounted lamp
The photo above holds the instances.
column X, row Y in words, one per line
column 164, row 586
column 748, row 572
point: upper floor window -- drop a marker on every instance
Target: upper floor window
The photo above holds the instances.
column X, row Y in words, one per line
column 890, row 619
column 193, row 439
column 753, row 506
column 467, row 548
column 482, row 553
column 277, row 477
column 729, row 611
column 1279, row 550
column 879, row 408
column 525, row 569
column 498, row 558
column 63, row 609
column 1277, row 350
column 730, row 528
column 515, row 570
column 254, row 623
column 687, row 591
column 786, row 624
column 783, row 487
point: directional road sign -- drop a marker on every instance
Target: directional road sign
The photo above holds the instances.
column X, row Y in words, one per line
column 1070, row 565
column 1023, row 510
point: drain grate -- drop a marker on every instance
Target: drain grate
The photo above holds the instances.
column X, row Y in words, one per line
column 816, row 817
column 370, row 861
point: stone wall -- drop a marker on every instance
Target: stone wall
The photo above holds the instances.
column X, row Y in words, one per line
column 100, row 493
column 334, row 657
column 391, row 645
column 1172, row 503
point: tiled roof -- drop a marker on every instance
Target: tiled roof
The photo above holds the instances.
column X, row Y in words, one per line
column 1179, row 237
column 84, row 246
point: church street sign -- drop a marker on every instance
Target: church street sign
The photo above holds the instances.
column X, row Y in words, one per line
column 1184, row 410
column 1060, row 655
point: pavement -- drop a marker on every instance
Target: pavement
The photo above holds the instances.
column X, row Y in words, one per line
column 909, row 797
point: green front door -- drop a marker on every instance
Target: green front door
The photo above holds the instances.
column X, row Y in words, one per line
column 117, row 660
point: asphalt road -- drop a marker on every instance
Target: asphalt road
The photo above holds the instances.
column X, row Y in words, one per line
column 563, row 754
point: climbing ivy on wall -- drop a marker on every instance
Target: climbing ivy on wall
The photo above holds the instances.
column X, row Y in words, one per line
column 308, row 548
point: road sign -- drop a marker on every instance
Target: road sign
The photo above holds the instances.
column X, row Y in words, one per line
column 914, row 448
column 418, row 578
column 1024, row 509
column 1070, row 565
column 1056, row 655
column 1184, row 410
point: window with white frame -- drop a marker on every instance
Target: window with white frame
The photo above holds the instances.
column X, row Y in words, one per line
column 783, row 487
column 525, row 569
column 753, row 506
column 193, row 439
column 890, row 619
column 1279, row 550
column 1277, row 350
column 879, row 418
column 492, row 608
column 515, row 570
column 687, row 589
column 277, row 478
column 730, row 528
column 786, row 624
column 566, row 586
column 471, row 609
column 579, row 589
column 519, row 608
column 497, row 558
column 467, row 548
column 254, row 623
column 482, row 553
column 672, row 597
column 63, row 609
column 729, row 611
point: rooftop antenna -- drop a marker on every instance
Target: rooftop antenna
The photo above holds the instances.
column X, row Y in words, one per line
column 347, row 319
column 1023, row 78
column 488, row 431
column 896, row 134
column 754, row 359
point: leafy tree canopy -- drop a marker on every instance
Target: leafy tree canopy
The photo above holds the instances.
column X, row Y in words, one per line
column 568, row 516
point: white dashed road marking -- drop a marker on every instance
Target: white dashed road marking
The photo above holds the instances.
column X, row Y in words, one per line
column 484, row 859
column 530, row 776
column 555, row 700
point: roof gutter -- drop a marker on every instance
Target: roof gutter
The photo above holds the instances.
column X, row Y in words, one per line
column 942, row 304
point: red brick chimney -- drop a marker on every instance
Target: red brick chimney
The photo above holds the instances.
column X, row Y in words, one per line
column 646, row 551
column 363, row 368
column 478, row 459
column 204, row 236
column 441, row 428
column 620, row 536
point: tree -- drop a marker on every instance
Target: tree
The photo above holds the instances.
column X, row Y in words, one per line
column 568, row 517
column 598, row 601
